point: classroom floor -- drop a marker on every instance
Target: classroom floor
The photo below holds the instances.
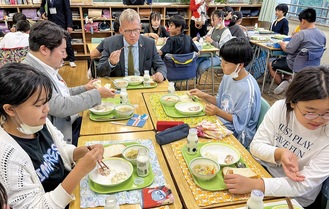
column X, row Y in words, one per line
column 78, row 76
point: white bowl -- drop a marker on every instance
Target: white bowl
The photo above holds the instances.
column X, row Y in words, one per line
column 124, row 110
column 204, row 168
column 219, row 152
column 169, row 100
column 134, row 80
column 189, row 108
column 103, row 109
column 131, row 151
column 120, row 83
column 120, row 171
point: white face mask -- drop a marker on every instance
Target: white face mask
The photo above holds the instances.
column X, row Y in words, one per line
column 235, row 73
column 155, row 27
column 26, row 129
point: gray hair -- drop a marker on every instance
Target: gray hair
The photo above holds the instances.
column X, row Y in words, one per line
column 129, row 15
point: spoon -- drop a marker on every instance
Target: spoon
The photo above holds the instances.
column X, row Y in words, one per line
column 240, row 164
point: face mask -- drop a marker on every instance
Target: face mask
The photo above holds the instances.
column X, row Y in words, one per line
column 155, row 27
column 235, row 73
column 26, row 129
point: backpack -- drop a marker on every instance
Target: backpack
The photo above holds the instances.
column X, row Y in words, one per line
column 133, row 2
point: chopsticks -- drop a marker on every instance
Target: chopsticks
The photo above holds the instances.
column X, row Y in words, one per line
column 100, row 163
column 290, row 206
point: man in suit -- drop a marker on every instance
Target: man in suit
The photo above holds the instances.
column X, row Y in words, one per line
column 115, row 57
column 47, row 51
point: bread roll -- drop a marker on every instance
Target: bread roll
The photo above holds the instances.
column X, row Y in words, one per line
column 113, row 150
column 247, row 172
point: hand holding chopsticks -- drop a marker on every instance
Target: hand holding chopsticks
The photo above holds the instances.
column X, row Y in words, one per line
column 100, row 163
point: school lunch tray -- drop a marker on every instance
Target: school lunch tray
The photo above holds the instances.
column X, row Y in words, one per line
column 141, row 86
column 134, row 182
column 174, row 113
column 214, row 184
column 109, row 117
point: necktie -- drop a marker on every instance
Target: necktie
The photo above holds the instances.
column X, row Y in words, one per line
column 130, row 61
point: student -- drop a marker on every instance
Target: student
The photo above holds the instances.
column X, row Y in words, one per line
column 309, row 37
column 235, row 28
column 20, row 38
column 38, row 168
column 17, row 17
column 199, row 10
column 47, row 51
column 292, row 142
column 281, row 24
column 154, row 29
column 228, row 12
column 3, row 198
column 237, row 103
column 217, row 36
column 178, row 42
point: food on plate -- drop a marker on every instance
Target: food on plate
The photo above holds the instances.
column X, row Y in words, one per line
column 113, row 150
column 247, row 172
column 211, row 156
column 119, row 177
column 104, row 172
column 229, row 159
column 99, row 107
column 170, row 99
column 132, row 154
column 108, row 86
column 185, row 98
column 98, row 83
column 204, row 169
column 124, row 109
column 194, row 108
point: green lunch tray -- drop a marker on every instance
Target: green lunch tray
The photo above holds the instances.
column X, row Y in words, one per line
column 141, row 86
column 134, row 182
column 172, row 112
column 214, row 184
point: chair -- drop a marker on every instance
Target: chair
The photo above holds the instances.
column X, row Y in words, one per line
column 264, row 107
column 13, row 55
column 215, row 70
column 181, row 67
column 306, row 57
column 94, row 62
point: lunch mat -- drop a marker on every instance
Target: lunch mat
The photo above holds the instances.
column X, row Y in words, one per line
column 89, row 198
column 214, row 184
column 204, row 197
column 162, row 116
column 173, row 112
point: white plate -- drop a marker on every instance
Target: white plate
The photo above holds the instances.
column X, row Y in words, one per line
column 118, row 167
column 218, row 152
column 134, row 80
column 104, row 109
column 189, row 108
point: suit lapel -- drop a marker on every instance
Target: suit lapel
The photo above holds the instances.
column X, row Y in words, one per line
column 142, row 52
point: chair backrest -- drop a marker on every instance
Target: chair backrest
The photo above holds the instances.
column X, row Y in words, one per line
column 181, row 66
column 96, row 40
column 264, row 107
column 13, row 55
column 308, row 57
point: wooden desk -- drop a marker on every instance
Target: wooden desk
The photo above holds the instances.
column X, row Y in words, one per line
column 91, row 47
column 140, row 135
column 90, row 127
column 184, row 187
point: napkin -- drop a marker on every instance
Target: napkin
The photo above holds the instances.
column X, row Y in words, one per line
column 137, row 120
column 157, row 196
column 211, row 130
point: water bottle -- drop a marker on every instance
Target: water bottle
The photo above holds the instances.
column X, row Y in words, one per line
column 147, row 78
column 111, row 203
column 192, row 142
column 143, row 162
column 171, row 88
column 256, row 200
column 123, row 96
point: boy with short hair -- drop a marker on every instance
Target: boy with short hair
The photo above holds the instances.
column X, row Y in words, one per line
column 19, row 38
column 178, row 42
column 281, row 24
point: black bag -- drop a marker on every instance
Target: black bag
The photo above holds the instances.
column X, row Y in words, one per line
column 172, row 134
column 133, row 2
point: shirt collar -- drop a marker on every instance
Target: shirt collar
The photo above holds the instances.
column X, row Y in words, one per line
column 49, row 69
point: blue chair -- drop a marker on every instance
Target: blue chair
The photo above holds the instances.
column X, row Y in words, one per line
column 264, row 107
column 181, row 67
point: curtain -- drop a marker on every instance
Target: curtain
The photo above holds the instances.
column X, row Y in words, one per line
column 267, row 12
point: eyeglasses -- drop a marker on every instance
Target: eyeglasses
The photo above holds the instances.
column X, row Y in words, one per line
column 313, row 116
column 130, row 32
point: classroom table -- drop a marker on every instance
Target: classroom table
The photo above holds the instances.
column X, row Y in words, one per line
column 132, row 136
column 89, row 127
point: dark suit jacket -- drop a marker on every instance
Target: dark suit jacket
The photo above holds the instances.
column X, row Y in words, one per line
column 148, row 57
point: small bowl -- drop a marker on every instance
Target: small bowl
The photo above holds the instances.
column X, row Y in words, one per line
column 131, row 151
column 169, row 100
column 120, row 83
column 124, row 110
column 134, row 80
column 104, row 108
column 204, row 168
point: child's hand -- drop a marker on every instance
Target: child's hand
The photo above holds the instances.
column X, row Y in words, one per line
column 198, row 93
column 211, row 109
column 208, row 39
column 289, row 163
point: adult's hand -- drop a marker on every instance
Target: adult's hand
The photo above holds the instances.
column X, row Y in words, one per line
column 105, row 92
column 69, row 29
column 44, row 16
column 115, row 57
column 158, row 77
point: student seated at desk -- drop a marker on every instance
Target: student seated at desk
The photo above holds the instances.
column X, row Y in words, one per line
column 237, row 103
column 178, row 42
column 281, row 24
column 154, row 29
column 292, row 142
column 235, row 28
column 309, row 37
column 20, row 38
column 38, row 168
